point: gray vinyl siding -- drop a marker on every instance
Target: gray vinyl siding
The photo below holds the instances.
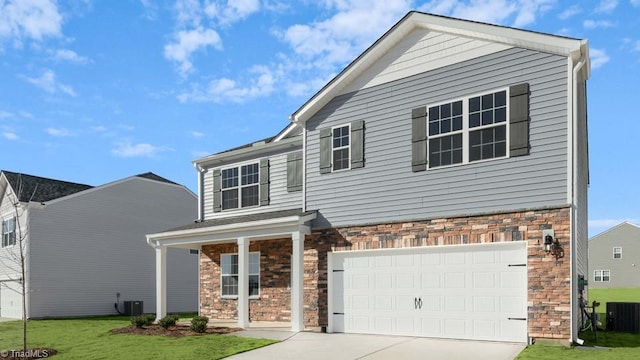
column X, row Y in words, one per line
column 625, row 272
column 280, row 198
column 89, row 247
column 387, row 190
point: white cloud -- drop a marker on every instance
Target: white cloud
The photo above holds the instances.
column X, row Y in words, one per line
column 71, row 56
column 570, row 12
column 58, row 132
column 635, row 2
column 10, row 135
column 599, row 225
column 5, row 114
column 607, row 6
column 513, row 13
column 48, row 83
column 261, row 83
column 127, row 149
column 598, row 58
column 30, row 19
column 196, row 134
column 25, row 114
column 188, row 41
column 233, row 11
column 594, row 24
column 99, row 128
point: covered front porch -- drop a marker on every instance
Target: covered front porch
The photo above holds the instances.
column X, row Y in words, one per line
column 228, row 246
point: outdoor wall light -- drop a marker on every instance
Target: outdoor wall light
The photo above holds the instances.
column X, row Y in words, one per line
column 551, row 245
column 548, row 243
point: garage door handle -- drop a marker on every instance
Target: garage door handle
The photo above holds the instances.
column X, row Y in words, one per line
column 417, row 303
column 510, row 265
column 524, row 319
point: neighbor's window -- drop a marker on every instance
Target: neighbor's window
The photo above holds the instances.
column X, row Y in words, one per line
column 617, row 252
column 229, row 274
column 467, row 130
column 9, row 232
column 240, row 186
column 601, row 275
column 340, row 147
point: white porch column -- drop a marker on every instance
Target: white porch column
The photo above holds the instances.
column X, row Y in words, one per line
column 297, row 281
column 161, row 282
column 243, row 283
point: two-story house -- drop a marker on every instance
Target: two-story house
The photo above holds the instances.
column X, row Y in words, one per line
column 614, row 258
column 83, row 246
column 436, row 187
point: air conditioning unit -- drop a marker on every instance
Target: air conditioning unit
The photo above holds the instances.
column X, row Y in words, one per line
column 623, row 317
column 133, row 308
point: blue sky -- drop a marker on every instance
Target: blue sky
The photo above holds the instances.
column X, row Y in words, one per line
column 92, row 91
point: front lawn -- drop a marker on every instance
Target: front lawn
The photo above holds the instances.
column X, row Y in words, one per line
column 90, row 338
column 603, row 296
column 610, row 346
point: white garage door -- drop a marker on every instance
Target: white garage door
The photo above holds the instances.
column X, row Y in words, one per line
column 10, row 300
column 474, row 292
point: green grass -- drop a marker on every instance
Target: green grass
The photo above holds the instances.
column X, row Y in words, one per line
column 620, row 346
column 90, row 338
column 604, row 296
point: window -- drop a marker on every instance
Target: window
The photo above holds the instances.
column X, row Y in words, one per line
column 194, row 251
column 340, row 147
column 617, row 252
column 9, row 232
column 467, row 130
column 229, row 274
column 240, row 186
column 601, row 275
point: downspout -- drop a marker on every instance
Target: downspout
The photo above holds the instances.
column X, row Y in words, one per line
column 574, row 186
column 201, row 172
column 304, row 167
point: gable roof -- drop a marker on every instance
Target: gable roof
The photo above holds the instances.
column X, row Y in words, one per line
column 152, row 176
column 560, row 45
column 612, row 229
column 40, row 189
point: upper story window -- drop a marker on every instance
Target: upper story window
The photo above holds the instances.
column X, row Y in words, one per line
column 340, row 147
column 240, row 186
column 468, row 130
column 9, row 232
column 479, row 127
column 617, row 252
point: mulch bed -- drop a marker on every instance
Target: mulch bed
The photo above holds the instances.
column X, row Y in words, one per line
column 175, row 331
column 37, row 353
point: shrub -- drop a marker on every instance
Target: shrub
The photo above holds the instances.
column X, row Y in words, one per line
column 167, row 321
column 199, row 324
column 143, row 320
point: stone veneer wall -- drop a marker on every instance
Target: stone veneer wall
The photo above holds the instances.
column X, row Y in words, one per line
column 274, row 303
column 549, row 284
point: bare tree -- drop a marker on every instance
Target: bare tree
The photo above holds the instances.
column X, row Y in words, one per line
column 13, row 255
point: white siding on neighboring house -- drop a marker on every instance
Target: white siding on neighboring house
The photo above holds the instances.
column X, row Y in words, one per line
column 90, row 246
column 279, row 197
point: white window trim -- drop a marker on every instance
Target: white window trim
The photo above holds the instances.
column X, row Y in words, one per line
column 466, row 129
column 14, row 232
column 601, row 272
column 240, row 186
column 348, row 147
column 258, row 274
column 619, row 252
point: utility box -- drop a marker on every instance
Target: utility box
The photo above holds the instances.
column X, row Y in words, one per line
column 133, row 308
column 623, row 317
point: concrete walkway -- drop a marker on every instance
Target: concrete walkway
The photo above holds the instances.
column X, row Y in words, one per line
column 315, row 345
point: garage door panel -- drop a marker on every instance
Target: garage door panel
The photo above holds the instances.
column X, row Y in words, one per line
column 10, row 299
column 466, row 292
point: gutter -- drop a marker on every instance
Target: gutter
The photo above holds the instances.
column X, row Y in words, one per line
column 201, row 172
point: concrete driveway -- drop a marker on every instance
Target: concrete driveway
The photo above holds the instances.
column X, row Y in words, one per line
column 314, row 345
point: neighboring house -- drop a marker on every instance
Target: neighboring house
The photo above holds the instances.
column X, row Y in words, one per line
column 411, row 195
column 85, row 245
column 614, row 258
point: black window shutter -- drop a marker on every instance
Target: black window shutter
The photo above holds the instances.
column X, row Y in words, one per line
column 325, row 151
column 357, row 144
column 264, row 182
column 294, row 171
column 519, row 120
column 217, row 191
column 419, row 139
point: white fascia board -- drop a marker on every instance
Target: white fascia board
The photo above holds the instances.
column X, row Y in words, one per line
column 249, row 151
column 498, row 34
column 251, row 229
column 288, row 130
